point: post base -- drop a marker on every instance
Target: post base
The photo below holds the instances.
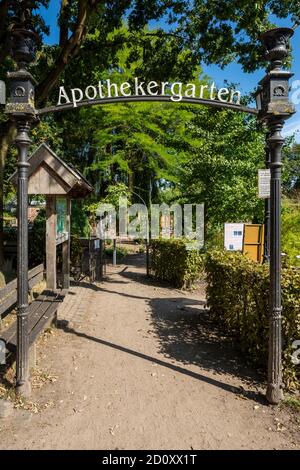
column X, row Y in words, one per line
column 274, row 394
column 24, row 389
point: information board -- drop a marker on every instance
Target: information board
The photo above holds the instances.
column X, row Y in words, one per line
column 233, row 237
column 264, row 183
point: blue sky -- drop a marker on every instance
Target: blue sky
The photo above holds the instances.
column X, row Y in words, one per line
column 233, row 72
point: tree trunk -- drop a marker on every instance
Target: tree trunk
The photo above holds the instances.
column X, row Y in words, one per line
column 130, row 181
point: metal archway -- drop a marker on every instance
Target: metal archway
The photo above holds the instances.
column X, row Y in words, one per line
column 273, row 109
column 147, row 99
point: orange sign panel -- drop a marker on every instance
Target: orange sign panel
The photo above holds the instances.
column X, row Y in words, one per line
column 253, row 245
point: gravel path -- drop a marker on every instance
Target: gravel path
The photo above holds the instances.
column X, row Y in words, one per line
column 134, row 365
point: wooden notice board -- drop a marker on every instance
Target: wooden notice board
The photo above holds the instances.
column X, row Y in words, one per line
column 253, row 244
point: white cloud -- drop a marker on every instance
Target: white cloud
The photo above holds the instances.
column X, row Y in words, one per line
column 292, row 128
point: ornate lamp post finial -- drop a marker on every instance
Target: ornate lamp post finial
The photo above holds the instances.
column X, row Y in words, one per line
column 276, row 42
column 23, row 39
column 22, row 45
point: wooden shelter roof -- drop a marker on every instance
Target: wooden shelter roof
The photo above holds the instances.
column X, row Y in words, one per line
column 49, row 174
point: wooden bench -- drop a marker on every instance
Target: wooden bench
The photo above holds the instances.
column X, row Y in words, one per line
column 41, row 311
column 8, row 294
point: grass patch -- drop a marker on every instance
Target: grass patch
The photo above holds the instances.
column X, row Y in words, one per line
column 292, row 402
column 121, row 252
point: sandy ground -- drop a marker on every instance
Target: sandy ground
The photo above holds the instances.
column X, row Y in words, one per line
column 134, row 365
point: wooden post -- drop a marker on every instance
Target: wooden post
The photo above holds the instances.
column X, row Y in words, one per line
column 51, row 242
column 66, row 249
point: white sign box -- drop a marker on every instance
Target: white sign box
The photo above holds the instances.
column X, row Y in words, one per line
column 233, row 237
column 264, row 184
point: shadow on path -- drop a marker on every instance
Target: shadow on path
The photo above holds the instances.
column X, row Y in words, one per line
column 62, row 324
column 185, row 332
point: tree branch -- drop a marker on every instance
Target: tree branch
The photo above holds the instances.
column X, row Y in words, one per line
column 63, row 23
column 68, row 50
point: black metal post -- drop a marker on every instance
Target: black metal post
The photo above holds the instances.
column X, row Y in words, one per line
column 267, row 209
column 148, row 259
column 275, row 109
column 21, row 110
column 22, row 142
column 276, row 141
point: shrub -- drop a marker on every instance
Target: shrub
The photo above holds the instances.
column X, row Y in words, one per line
column 171, row 260
column 290, row 231
column 120, row 251
column 238, row 297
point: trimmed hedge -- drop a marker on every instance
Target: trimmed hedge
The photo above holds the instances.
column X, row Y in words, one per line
column 173, row 261
column 238, row 297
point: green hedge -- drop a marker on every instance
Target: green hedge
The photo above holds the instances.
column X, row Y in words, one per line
column 238, row 297
column 173, row 261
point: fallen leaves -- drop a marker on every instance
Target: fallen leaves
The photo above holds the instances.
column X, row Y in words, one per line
column 112, row 429
column 279, row 426
column 22, row 404
column 40, row 378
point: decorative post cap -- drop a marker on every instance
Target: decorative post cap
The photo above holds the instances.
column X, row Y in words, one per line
column 22, row 44
column 22, row 37
column 273, row 92
column 277, row 45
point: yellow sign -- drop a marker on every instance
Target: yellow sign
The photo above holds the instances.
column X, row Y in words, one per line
column 253, row 244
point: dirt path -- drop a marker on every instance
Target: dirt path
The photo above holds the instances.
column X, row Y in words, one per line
column 139, row 366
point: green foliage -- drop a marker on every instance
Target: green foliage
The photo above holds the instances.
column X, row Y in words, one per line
column 138, row 145
column 291, row 230
column 172, row 152
column 291, row 168
column 225, row 153
column 238, row 297
column 121, row 251
column 116, row 191
column 79, row 221
column 292, row 402
column 173, row 261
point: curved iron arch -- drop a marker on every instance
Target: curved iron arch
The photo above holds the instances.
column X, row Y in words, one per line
column 145, row 99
